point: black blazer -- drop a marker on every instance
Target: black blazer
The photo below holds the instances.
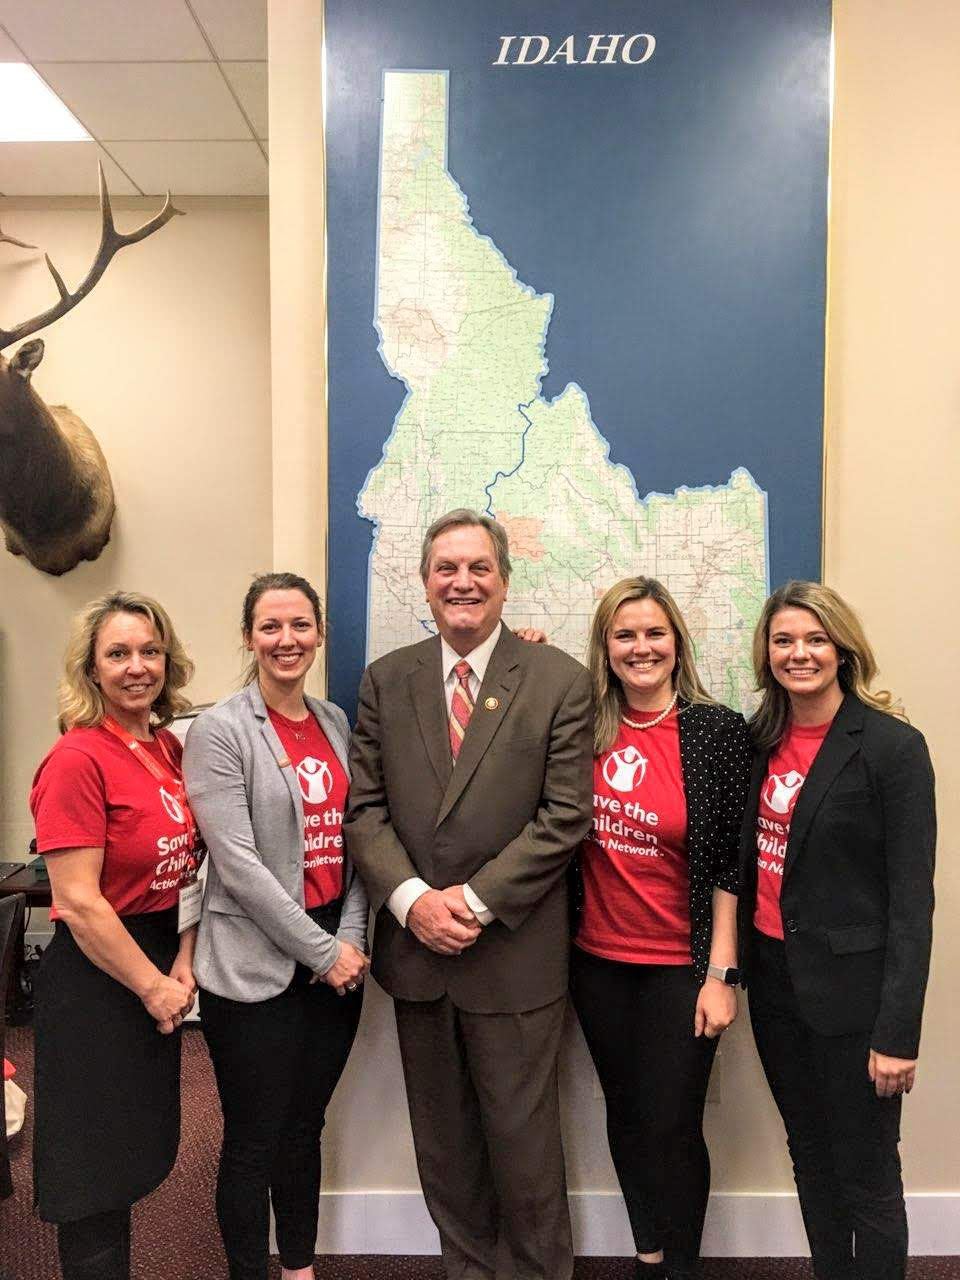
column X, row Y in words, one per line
column 857, row 897
column 715, row 756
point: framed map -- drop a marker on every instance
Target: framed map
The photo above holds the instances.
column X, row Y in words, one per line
column 577, row 280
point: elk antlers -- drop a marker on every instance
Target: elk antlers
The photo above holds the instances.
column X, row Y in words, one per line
column 21, row 244
column 110, row 241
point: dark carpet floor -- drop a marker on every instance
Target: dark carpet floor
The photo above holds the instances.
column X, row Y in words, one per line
column 175, row 1231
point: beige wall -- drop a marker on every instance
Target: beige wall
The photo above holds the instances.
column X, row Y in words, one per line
column 893, row 424
column 298, row 295
column 168, row 362
column 177, row 336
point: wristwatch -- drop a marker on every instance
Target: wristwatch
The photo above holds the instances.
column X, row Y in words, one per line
column 726, row 973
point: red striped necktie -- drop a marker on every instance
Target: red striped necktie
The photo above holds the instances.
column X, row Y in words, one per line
column 461, row 706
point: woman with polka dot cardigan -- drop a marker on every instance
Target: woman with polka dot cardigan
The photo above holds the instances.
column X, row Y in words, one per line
column 653, row 971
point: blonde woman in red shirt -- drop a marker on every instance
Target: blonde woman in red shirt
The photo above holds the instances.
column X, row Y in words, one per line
column 116, row 980
column 653, row 972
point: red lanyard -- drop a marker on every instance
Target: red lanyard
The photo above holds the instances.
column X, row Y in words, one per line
column 170, row 779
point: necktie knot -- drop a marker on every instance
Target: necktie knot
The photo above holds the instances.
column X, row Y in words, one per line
column 463, row 670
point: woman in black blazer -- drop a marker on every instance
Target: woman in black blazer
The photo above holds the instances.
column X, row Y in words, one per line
column 653, row 969
column 835, row 907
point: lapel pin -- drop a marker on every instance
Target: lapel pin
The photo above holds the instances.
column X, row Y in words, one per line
column 491, row 704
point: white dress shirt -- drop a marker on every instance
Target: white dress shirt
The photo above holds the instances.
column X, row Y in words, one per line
column 406, row 894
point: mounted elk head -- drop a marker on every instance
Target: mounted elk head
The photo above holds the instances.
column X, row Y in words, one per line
column 56, row 497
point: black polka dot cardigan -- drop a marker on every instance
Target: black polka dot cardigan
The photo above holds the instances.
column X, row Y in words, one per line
column 716, row 756
column 716, row 759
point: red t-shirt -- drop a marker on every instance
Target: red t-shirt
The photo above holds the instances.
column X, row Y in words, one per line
column 636, row 872
column 91, row 792
column 323, row 786
column 787, row 771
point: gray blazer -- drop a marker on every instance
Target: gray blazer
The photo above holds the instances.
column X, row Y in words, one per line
column 247, row 803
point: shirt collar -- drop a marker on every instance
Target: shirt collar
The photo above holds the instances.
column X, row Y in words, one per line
column 478, row 658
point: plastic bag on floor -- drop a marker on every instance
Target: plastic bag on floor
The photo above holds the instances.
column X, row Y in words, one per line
column 14, row 1100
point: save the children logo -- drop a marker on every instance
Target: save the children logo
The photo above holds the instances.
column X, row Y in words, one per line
column 315, row 779
column 781, row 789
column 171, row 805
column 625, row 770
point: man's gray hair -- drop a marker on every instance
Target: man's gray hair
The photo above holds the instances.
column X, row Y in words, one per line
column 466, row 516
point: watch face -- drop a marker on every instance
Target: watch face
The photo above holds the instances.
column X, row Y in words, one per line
column 726, row 973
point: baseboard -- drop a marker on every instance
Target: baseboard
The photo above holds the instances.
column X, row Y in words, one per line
column 739, row 1224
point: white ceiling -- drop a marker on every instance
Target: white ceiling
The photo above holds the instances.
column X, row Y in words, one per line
column 173, row 92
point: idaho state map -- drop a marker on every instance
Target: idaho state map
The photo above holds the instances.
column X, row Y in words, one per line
column 468, row 340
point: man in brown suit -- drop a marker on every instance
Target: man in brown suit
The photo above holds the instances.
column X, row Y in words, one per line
column 472, row 779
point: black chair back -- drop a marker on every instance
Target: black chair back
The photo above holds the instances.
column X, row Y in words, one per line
column 11, row 919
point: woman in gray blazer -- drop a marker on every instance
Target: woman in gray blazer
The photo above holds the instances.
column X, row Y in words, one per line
column 281, row 949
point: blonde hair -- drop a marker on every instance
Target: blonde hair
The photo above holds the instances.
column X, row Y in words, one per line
column 79, row 700
column 857, row 669
column 607, row 689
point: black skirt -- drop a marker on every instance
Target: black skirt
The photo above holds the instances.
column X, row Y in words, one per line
column 107, row 1083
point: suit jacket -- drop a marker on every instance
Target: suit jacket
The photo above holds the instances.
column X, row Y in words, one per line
column 507, row 818
column 247, row 803
column 857, row 896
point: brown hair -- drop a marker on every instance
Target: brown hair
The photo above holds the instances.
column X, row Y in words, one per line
column 263, row 583
column 857, row 669
column 457, row 519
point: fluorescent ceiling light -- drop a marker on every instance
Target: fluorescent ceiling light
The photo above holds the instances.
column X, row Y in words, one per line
column 31, row 112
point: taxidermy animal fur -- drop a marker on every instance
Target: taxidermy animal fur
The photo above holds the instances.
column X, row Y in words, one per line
column 56, row 497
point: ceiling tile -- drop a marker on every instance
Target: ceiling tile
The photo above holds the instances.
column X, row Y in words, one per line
column 8, row 50
column 142, row 100
column 236, row 28
column 195, row 168
column 103, row 30
column 57, row 169
column 249, row 79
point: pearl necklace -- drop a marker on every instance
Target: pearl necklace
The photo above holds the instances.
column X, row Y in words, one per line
column 650, row 724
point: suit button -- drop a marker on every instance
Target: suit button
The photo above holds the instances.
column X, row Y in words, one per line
column 791, row 926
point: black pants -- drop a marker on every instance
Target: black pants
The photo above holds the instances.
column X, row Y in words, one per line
column 96, row 1248
column 842, row 1137
column 638, row 1023
column 277, row 1063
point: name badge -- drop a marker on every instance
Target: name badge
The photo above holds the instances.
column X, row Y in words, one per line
column 188, row 905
